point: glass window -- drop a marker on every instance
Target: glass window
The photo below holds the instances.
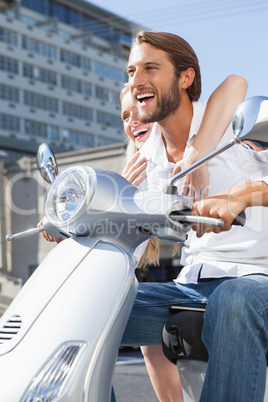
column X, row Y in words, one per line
column 75, row 60
column 8, row 93
column 39, row 74
column 78, row 138
column 102, row 93
column 107, row 71
column 115, row 98
column 9, row 65
column 38, row 47
column 71, row 84
column 56, row 9
column 35, row 5
column 9, row 123
column 77, row 111
column 77, row 19
column 109, row 120
column 104, row 141
column 8, row 37
column 40, row 102
column 69, row 58
column 85, row 64
column 38, row 129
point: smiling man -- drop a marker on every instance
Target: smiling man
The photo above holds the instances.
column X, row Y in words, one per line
column 229, row 268
column 163, row 92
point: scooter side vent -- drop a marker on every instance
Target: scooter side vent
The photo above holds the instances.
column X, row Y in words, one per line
column 10, row 328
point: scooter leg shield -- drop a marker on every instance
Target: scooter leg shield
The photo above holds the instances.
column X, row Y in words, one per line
column 82, row 293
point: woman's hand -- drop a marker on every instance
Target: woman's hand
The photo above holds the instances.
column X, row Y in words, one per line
column 133, row 170
column 47, row 237
column 195, row 184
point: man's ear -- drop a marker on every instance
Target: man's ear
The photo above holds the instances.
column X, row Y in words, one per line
column 187, row 78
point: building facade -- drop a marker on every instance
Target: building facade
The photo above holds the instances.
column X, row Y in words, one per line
column 62, row 67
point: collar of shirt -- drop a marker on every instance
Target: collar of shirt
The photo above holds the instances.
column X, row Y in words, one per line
column 154, row 148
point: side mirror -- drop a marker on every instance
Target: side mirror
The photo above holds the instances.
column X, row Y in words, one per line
column 250, row 119
column 46, row 163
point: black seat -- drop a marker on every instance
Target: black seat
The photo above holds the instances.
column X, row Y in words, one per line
column 182, row 337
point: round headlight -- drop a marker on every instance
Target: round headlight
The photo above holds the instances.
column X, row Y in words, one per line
column 70, row 194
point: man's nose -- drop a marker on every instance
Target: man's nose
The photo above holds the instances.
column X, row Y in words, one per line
column 137, row 80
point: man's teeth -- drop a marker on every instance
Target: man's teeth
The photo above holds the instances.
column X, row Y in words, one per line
column 142, row 96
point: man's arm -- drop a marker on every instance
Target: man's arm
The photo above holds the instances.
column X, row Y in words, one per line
column 228, row 204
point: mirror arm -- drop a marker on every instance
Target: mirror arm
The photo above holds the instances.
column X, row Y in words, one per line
column 171, row 188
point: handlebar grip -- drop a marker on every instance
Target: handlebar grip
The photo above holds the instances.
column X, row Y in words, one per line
column 240, row 220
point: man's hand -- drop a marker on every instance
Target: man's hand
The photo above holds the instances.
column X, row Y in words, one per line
column 224, row 206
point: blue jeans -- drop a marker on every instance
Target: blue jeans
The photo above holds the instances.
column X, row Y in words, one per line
column 235, row 330
column 151, row 308
column 235, row 333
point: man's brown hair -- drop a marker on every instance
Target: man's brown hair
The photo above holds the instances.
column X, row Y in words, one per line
column 180, row 53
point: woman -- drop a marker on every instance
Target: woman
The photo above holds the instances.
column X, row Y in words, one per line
column 220, row 109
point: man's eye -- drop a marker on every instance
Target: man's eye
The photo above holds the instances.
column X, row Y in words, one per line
column 125, row 117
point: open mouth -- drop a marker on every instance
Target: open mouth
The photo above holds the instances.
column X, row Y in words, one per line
column 145, row 98
column 140, row 132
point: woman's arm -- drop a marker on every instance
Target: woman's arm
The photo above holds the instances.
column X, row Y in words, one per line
column 219, row 112
column 218, row 115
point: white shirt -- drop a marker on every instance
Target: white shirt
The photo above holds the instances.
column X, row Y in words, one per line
column 240, row 251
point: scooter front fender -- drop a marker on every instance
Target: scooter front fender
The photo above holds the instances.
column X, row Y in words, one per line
column 83, row 291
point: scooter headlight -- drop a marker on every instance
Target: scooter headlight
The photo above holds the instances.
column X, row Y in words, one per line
column 69, row 194
column 56, row 376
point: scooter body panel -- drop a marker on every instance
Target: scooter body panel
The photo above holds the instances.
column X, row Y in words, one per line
column 92, row 307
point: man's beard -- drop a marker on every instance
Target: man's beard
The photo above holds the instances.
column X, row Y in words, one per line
column 167, row 105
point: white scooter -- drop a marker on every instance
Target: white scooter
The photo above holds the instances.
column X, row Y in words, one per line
column 59, row 338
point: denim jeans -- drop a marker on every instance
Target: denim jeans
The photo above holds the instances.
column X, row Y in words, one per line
column 235, row 330
column 151, row 308
column 235, row 333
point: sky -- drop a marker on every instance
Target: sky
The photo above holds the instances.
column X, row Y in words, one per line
column 228, row 36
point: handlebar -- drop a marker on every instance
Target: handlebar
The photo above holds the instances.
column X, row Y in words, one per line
column 185, row 216
column 25, row 233
column 179, row 216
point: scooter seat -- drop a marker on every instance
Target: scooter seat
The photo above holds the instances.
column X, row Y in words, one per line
column 181, row 337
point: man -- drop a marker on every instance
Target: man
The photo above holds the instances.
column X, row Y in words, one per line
column 164, row 79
